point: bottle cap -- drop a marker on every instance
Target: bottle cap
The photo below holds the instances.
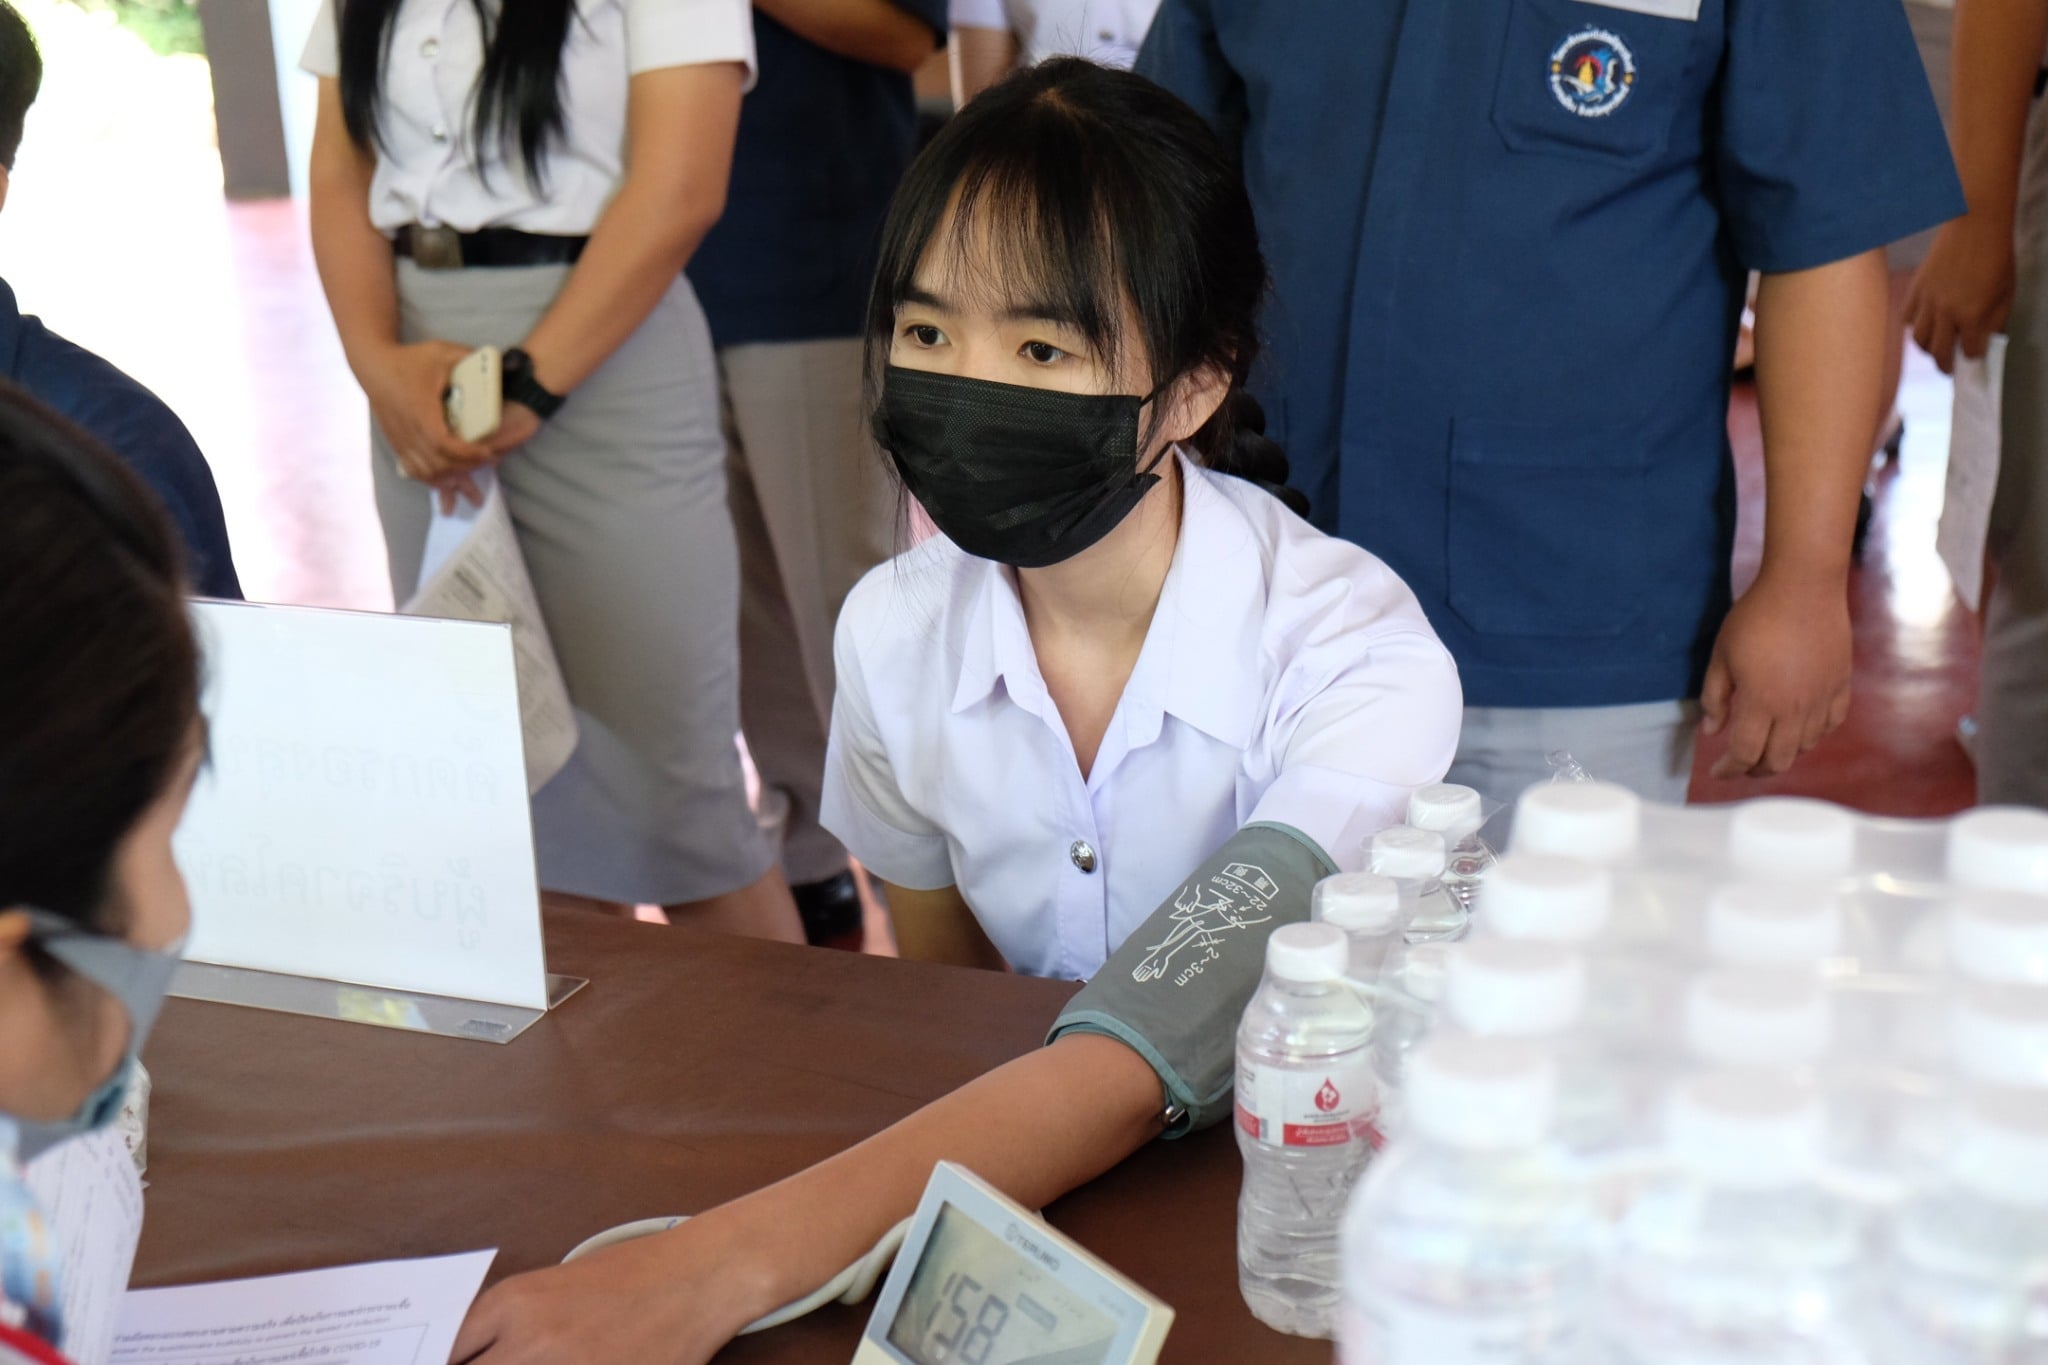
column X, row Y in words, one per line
column 1308, row 952
column 1357, row 903
column 1999, row 1035
column 1999, row 938
column 1758, row 1019
column 1768, row 924
column 1482, row 1094
column 1791, row 836
column 1449, row 809
column 1404, row 851
column 2000, row 1146
column 2000, row 848
column 1596, row 821
column 1504, row 988
column 1746, row 1129
column 1419, row 970
column 1531, row 895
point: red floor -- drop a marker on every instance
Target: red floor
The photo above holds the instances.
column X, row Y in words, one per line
column 237, row 339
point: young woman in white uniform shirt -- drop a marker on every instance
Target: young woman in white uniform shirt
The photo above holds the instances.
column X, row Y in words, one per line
column 992, row 38
column 1118, row 664
column 534, row 175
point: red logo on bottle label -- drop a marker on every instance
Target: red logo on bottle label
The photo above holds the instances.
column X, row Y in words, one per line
column 1327, row 1098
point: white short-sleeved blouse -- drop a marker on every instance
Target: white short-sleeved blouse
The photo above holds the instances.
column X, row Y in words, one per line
column 427, row 170
column 1106, row 31
column 1287, row 676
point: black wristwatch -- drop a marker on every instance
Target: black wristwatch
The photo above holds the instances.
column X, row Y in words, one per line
column 519, row 385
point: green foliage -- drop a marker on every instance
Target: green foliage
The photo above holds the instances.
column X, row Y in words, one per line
column 168, row 26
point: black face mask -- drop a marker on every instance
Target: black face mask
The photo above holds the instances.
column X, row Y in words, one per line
column 1026, row 477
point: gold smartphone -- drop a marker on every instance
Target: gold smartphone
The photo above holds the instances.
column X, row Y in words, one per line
column 476, row 394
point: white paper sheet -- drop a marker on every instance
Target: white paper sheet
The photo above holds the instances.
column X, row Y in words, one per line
column 472, row 571
column 90, row 1192
column 1973, row 455
column 385, row 1313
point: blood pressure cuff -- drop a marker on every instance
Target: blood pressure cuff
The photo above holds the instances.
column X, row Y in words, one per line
column 1177, row 987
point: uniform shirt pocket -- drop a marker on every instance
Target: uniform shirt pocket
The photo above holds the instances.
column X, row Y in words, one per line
column 1591, row 81
column 1547, row 528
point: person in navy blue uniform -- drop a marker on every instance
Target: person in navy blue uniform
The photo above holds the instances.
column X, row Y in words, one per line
column 133, row 422
column 824, row 137
column 1510, row 240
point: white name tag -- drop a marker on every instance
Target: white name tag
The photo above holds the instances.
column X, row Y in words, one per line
column 1688, row 10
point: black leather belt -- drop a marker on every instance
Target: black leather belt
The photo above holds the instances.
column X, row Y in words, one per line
column 442, row 248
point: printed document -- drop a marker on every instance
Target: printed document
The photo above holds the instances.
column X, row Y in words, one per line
column 472, row 571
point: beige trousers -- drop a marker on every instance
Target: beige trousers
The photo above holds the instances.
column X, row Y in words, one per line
column 813, row 505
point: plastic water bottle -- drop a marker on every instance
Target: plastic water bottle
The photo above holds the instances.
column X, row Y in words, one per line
column 1963, row 1256
column 1418, row 858
column 1307, row 1108
column 1502, row 988
column 1767, row 924
column 1594, row 821
column 1998, row 938
column 1465, row 1244
column 1368, row 909
column 1792, row 837
column 1758, row 1019
column 1739, row 1255
column 2000, row 848
column 1998, row 1035
column 1456, row 813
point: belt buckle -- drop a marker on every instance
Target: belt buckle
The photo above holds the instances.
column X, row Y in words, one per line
column 436, row 248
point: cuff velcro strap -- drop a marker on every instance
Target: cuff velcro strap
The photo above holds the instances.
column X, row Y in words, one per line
column 1175, row 990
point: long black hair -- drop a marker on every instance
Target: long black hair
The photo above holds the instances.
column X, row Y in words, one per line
column 99, row 670
column 518, row 94
column 1094, row 187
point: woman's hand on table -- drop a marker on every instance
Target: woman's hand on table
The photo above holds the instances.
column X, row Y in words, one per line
column 671, row 1299
column 406, row 385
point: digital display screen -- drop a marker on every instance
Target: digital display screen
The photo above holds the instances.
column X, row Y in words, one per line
column 977, row 1300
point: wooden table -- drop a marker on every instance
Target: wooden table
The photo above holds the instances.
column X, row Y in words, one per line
column 695, row 1067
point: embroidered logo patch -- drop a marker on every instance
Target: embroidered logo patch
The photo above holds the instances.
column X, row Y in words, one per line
column 1592, row 72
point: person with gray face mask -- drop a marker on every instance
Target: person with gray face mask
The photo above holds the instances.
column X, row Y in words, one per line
column 100, row 741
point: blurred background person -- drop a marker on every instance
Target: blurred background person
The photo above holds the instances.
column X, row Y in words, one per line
column 535, row 179
column 824, row 136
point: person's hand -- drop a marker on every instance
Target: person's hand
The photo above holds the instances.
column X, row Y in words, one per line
column 517, row 424
column 405, row 386
column 1963, row 292
column 1778, row 682
column 671, row 1299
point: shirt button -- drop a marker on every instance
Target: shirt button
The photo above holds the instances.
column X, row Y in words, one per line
column 440, row 133
column 1107, row 36
column 1082, row 854
column 431, row 48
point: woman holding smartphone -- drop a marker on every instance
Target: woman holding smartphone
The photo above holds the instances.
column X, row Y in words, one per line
column 534, row 176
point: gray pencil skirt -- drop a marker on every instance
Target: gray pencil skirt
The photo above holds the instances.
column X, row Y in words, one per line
column 620, row 507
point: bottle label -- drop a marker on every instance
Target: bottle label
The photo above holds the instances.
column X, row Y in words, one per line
column 1390, row 1332
column 1326, row 1107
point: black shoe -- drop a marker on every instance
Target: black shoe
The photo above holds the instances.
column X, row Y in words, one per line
column 830, row 909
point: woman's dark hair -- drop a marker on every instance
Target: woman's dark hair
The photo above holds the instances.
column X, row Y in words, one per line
column 518, row 94
column 99, row 671
column 1094, row 186
column 21, row 76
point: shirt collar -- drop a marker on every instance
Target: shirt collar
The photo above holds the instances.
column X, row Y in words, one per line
column 1199, row 661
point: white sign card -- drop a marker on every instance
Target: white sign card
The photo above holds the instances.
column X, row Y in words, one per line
column 363, row 816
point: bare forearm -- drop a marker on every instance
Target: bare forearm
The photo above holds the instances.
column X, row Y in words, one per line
column 980, row 57
column 1035, row 1128
column 353, row 258
column 872, row 31
column 1820, row 338
column 939, row 926
column 640, row 245
column 1997, row 54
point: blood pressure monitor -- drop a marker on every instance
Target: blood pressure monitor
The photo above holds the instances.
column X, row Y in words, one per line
column 982, row 1281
